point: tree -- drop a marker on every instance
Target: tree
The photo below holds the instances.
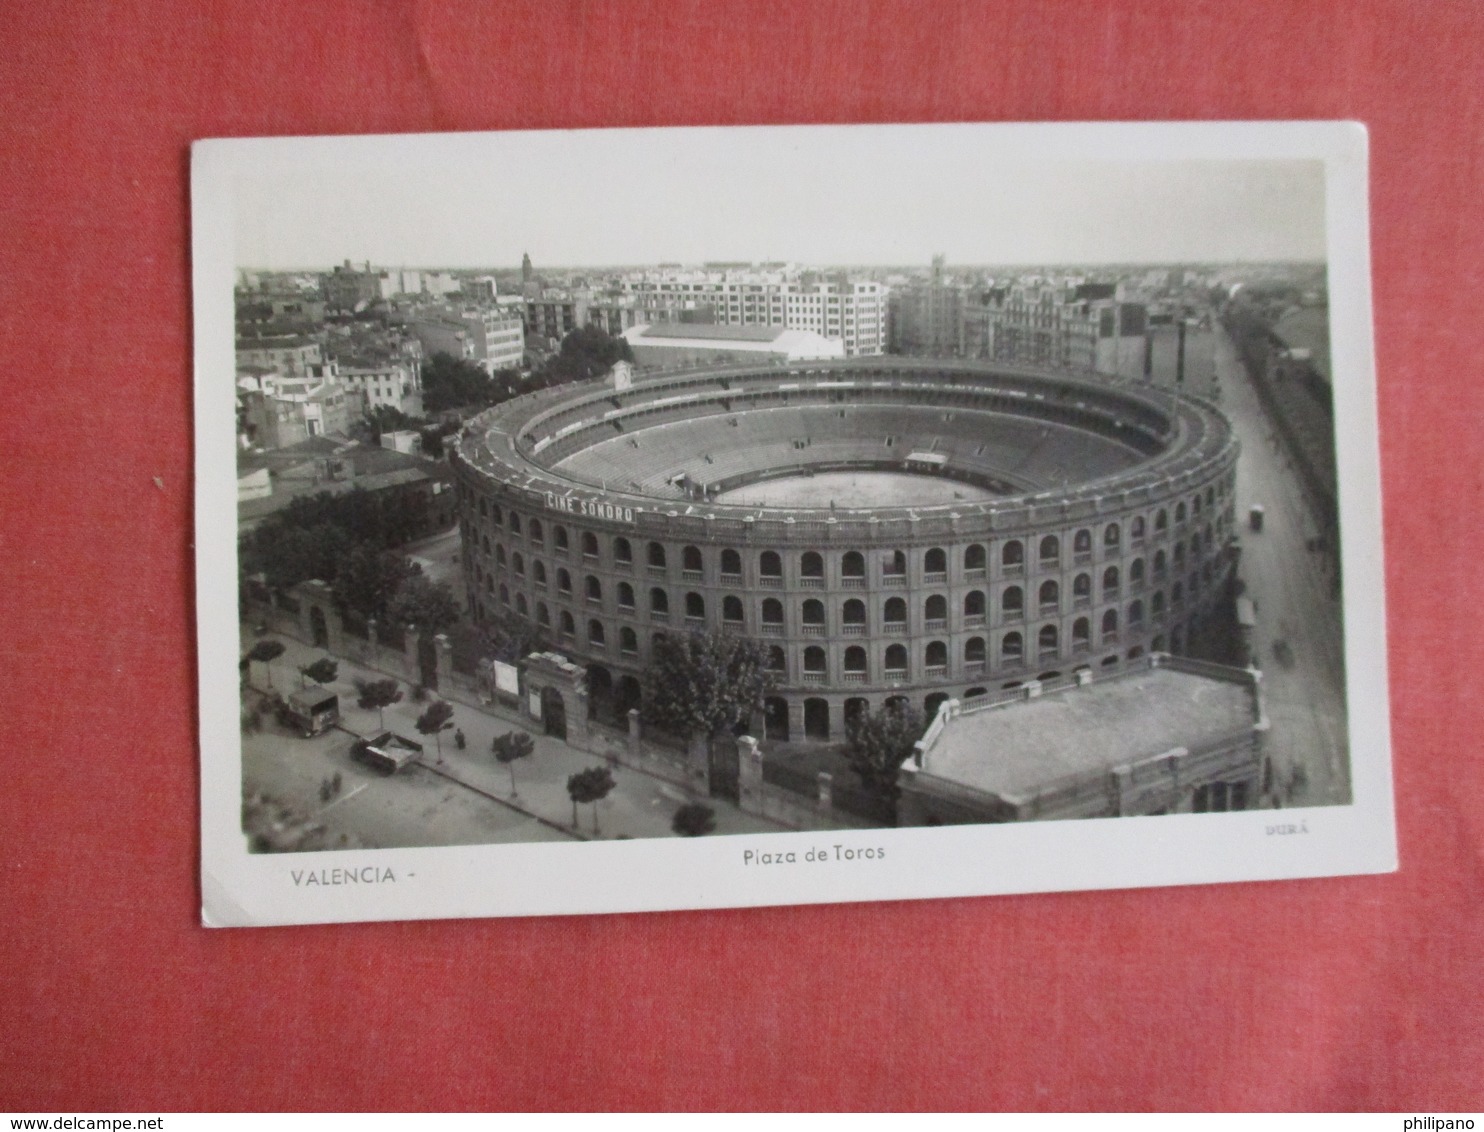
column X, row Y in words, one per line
column 368, row 579
column 377, row 696
column 437, row 719
column 877, row 745
column 515, row 745
column 508, row 637
column 703, row 683
column 694, row 820
column 431, row 606
column 322, row 671
column 265, row 652
column 451, row 383
column 592, row 786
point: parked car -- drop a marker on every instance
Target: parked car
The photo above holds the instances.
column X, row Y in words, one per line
column 386, row 752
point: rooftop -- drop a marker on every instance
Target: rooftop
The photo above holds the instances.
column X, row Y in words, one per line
column 1016, row 747
column 709, row 330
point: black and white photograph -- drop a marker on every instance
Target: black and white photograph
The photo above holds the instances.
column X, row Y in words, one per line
column 645, row 519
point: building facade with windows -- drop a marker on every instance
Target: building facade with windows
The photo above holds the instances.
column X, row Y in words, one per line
column 1031, row 525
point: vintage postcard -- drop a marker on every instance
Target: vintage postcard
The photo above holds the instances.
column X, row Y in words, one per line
column 617, row 520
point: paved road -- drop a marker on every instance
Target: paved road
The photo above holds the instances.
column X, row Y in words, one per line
column 467, row 797
column 1299, row 633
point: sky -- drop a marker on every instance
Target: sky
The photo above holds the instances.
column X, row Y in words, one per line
column 810, row 195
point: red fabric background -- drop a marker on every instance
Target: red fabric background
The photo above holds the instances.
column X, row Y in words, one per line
column 1345, row 993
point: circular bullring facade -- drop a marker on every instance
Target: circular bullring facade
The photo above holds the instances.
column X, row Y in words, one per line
column 887, row 527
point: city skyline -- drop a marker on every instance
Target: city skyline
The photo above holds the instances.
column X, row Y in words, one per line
column 839, row 197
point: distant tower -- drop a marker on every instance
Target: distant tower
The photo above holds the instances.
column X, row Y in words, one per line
column 525, row 268
column 937, row 268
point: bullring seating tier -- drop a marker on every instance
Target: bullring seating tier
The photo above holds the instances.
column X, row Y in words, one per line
column 1029, row 432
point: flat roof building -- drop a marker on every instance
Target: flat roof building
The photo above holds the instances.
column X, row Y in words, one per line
column 1168, row 734
column 686, row 343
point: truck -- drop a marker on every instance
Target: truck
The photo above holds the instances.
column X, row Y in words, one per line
column 1255, row 517
column 386, row 752
column 312, row 709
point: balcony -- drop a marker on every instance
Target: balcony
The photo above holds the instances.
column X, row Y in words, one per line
column 854, row 629
column 656, row 571
column 814, row 677
column 1049, row 565
column 974, row 668
column 975, row 620
column 623, row 564
column 853, row 582
column 935, row 578
column 855, row 677
column 936, row 625
column 899, row 627
column 899, row 580
column 1081, row 644
column 772, row 581
column 1014, row 569
column 690, row 575
column 731, row 579
column 974, row 574
column 1050, row 608
column 896, row 674
column 771, row 628
column 812, row 629
column 659, row 615
column 1013, row 614
column 934, row 670
column 1082, row 557
column 591, row 559
column 1049, row 654
column 695, row 622
column 1110, row 637
column 812, row 582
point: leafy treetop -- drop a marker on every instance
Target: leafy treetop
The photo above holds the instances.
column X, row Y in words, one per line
column 705, row 682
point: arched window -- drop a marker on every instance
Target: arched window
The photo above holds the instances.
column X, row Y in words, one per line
column 731, row 564
column 894, row 564
column 1136, row 572
column 569, row 627
column 1161, row 521
column 814, row 613
column 772, row 611
column 485, row 539
column 625, row 596
column 1081, row 632
column 1112, row 535
column 936, row 655
column 1110, row 581
column 514, row 523
column 695, row 607
column 1110, row 624
column 1177, row 594
column 731, row 609
column 777, row 662
column 483, row 510
column 520, row 605
column 628, row 642
column 1157, row 603
column 504, row 594
column 1047, row 641
column 499, row 556
column 595, row 632
column 1082, row 542
column 769, row 565
column 623, row 553
column 1195, row 506
column 497, row 516
column 594, row 588
column 1179, row 556
column 659, row 601
column 855, row 660
column 974, row 652
column 854, row 613
column 974, row 559
column 1082, row 587
column 811, row 565
column 853, row 565
column 533, row 531
column 538, row 572
column 935, row 562
column 1050, row 550
column 1160, row 564
column 690, row 560
column 1049, row 597
column 814, row 660
column 559, row 538
column 518, row 564
column 1011, row 647
column 1013, row 554
column 1135, row 613
column 895, row 611
column 974, row 607
column 589, row 544
column 896, row 660
column 656, row 556
column 543, row 615
column 935, row 609
column 1012, row 602
column 1136, row 528
column 1179, row 513
column 564, row 581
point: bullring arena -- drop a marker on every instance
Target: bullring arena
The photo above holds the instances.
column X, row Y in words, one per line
column 888, row 527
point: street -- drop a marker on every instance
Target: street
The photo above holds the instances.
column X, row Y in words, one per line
column 1298, row 637
column 458, row 797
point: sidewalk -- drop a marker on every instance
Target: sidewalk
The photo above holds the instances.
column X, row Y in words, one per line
column 638, row 806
